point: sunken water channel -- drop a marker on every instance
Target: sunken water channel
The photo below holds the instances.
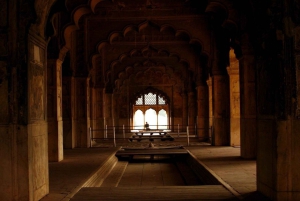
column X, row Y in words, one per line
column 153, row 174
column 158, row 170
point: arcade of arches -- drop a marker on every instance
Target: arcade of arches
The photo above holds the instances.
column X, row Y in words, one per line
column 230, row 67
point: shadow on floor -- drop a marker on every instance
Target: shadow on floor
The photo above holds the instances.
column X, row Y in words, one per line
column 257, row 196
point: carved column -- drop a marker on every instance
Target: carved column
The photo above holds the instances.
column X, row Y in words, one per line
column 233, row 72
column 202, row 112
column 23, row 110
column 81, row 117
column 55, row 123
column 32, row 165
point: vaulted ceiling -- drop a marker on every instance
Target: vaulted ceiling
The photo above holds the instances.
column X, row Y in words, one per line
column 115, row 41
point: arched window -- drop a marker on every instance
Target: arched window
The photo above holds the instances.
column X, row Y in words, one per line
column 163, row 119
column 139, row 120
column 153, row 108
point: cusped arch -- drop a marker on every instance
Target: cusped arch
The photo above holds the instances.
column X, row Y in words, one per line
column 218, row 8
column 137, row 75
column 138, row 31
column 95, row 3
column 148, row 26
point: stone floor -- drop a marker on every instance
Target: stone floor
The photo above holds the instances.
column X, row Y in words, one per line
column 236, row 174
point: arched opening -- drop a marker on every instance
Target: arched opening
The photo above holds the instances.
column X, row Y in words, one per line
column 138, row 119
column 151, row 118
column 153, row 108
column 162, row 118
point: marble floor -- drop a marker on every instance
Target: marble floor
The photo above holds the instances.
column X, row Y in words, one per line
column 236, row 175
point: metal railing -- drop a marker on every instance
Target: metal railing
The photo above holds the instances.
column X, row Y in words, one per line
column 123, row 132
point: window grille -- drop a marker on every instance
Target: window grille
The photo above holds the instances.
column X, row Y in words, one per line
column 150, row 99
column 139, row 101
column 161, row 101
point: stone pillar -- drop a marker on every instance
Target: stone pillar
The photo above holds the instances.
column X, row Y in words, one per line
column 97, row 120
column 69, row 137
column 81, row 117
column 202, row 113
column 55, row 123
column 278, row 114
column 210, row 107
column 107, row 109
column 248, row 107
column 192, row 112
column 221, row 121
column 233, row 72
column 185, row 117
column 220, row 88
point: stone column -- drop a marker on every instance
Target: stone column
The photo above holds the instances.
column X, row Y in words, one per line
column 107, row 109
column 278, row 118
column 55, row 123
column 248, row 107
column 185, row 117
column 97, row 120
column 220, row 88
column 192, row 112
column 210, row 108
column 81, row 117
column 221, row 121
column 203, row 112
column 233, row 72
column 69, row 132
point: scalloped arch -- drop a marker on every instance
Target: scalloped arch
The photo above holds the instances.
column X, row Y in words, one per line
column 114, row 37
column 129, row 74
column 79, row 13
column 67, row 35
column 160, row 52
column 218, row 8
column 129, row 29
column 181, row 35
column 94, row 3
column 166, row 28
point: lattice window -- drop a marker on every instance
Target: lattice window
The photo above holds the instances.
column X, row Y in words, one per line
column 139, row 101
column 161, row 101
column 150, row 99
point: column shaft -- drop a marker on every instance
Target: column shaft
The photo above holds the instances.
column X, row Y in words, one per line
column 203, row 113
column 233, row 72
column 55, row 123
column 221, row 128
column 81, row 117
column 248, row 107
column 69, row 132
